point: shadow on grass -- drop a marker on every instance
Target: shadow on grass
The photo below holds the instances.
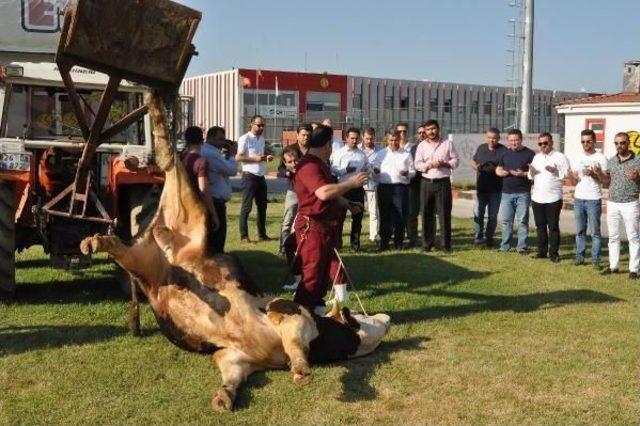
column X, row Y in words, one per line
column 496, row 303
column 19, row 339
column 90, row 289
column 416, row 272
column 255, row 381
column 355, row 381
column 44, row 262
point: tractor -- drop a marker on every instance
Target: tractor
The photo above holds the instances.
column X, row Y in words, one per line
column 76, row 153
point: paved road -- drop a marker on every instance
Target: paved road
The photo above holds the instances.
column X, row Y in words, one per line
column 461, row 207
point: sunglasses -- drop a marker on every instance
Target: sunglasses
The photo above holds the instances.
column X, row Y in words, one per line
column 620, row 143
column 543, row 143
column 259, row 125
column 586, row 141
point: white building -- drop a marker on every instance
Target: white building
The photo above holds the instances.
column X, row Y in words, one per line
column 606, row 115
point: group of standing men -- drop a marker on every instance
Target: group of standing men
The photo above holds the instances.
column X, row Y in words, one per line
column 514, row 177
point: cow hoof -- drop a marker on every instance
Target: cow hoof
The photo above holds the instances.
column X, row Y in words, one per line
column 301, row 372
column 86, row 246
column 222, row 401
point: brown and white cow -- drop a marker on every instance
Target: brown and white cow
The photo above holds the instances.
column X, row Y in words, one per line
column 209, row 304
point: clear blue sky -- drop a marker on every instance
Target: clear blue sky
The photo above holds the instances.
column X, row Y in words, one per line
column 578, row 43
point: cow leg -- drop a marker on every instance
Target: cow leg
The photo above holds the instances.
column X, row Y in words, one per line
column 297, row 329
column 143, row 258
column 235, row 367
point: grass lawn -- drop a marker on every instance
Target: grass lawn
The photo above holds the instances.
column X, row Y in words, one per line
column 477, row 337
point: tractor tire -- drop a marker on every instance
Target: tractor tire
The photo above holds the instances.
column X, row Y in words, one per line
column 143, row 202
column 7, row 242
column 142, row 206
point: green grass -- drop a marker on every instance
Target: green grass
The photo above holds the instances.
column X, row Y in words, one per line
column 477, row 337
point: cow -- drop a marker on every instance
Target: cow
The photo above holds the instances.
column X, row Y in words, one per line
column 210, row 304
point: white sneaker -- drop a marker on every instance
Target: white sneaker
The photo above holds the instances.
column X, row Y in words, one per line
column 320, row 310
column 294, row 285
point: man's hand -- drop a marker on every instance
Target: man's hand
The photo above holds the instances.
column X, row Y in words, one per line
column 268, row 158
column 355, row 207
column 588, row 172
column 533, row 170
column 501, row 172
column 632, row 174
column 551, row 169
column 404, row 173
column 474, row 165
column 357, row 181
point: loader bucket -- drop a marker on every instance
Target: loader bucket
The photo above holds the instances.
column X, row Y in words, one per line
column 144, row 41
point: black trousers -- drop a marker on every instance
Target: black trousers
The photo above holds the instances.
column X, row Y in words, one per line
column 436, row 198
column 218, row 237
column 414, row 206
column 253, row 188
column 393, row 204
column 547, row 218
column 357, row 195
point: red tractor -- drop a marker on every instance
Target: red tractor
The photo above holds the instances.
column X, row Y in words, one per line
column 76, row 152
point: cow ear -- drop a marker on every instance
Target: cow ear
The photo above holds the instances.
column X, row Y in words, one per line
column 334, row 313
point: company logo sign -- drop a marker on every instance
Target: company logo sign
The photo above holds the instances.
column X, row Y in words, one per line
column 43, row 16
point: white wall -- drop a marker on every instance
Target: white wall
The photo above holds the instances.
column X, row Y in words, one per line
column 615, row 122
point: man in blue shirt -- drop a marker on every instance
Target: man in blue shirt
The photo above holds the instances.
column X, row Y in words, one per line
column 222, row 165
column 513, row 167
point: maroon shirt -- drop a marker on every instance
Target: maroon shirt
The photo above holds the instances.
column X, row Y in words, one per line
column 197, row 166
column 313, row 173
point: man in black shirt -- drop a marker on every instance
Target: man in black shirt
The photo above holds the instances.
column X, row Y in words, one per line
column 488, row 187
column 513, row 167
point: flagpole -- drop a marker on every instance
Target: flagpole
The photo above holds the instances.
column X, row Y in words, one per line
column 275, row 113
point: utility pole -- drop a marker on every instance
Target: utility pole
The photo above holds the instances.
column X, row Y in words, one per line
column 527, row 68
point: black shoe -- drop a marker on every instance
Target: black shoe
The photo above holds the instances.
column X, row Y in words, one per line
column 381, row 247
column 7, row 296
column 399, row 247
column 554, row 259
column 523, row 252
column 489, row 243
column 480, row 241
column 411, row 245
column 609, row 271
column 539, row 256
column 355, row 248
column 633, row 275
column 579, row 262
column 427, row 249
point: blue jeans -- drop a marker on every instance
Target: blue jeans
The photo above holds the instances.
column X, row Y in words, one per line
column 587, row 212
column 486, row 201
column 515, row 207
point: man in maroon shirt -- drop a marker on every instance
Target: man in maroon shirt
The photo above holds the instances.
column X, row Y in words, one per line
column 320, row 207
column 198, row 171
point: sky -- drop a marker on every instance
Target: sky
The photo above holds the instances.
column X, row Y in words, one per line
column 578, row 44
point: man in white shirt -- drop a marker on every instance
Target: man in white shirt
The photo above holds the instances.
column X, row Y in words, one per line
column 222, row 165
column 345, row 163
column 371, row 150
column 414, row 186
column 548, row 171
column 394, row 170
column 587, row 203
column 254, row 186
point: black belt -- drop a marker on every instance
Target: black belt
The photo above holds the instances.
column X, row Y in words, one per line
column 444, row 179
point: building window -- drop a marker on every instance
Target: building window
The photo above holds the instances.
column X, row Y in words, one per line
column 388, row 102
column 475, row 106
column 433, row 104
column 404, row 103
column 249, row 98
column 447, row 105
column 487, row 108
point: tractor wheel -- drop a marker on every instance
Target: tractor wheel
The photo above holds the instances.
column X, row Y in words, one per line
column 142, row 206
column 7, row 242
